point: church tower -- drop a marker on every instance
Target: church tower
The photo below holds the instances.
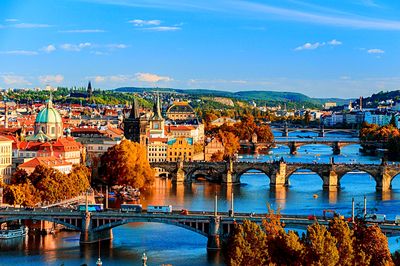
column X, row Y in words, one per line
column 132, row 124
column 156, row 121
column 89, row 90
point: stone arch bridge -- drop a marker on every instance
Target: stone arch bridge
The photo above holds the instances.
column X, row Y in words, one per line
column 279, row 172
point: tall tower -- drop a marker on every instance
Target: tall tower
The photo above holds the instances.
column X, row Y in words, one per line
column 132, row 123
column 89, row 90
column 156, row 121
column 361, row 103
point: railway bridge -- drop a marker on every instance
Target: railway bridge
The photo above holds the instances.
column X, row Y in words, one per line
column 216, row 226
column 279, row 172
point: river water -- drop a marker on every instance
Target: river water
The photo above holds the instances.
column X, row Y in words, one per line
column 166, row 244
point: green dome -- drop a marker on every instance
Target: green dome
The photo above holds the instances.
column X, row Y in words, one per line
column 48, row 115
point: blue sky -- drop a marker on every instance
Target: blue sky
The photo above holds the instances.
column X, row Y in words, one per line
column 329, row 48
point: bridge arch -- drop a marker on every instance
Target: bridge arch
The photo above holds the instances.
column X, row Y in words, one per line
column 305, row 169
column 44, row 218
column 207, row 172
column 253, row 168
column 157, row 220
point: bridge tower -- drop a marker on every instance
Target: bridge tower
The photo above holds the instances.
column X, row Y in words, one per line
column 229, row 176
column 321, row 133
column 285, row 132
column 278, row 179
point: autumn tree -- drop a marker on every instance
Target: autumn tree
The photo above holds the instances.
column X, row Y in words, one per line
column 217, row 156
column 247, row 245
column 371, row 246
column 264, row 134
column 19, row 176
column 230, row 142
column 126, row 164
column 340, row 230
column 320, row 246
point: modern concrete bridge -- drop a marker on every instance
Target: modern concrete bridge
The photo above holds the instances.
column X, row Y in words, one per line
column 279, row 172
column 96, row 226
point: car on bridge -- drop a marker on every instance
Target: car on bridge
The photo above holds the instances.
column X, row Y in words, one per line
column 376, row 218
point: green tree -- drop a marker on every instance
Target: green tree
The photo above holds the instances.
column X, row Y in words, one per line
column 126, row 164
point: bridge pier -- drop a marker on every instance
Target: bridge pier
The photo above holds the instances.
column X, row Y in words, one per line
column 384, row 183
column 278, row 179
column 336, row 148
column 89, row 236
column 293, row 148
column 331, row 181
column 214, row 241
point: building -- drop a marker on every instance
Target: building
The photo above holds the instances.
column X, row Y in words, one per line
column 223, row 120
column 157, row 149
column 212, row 147
column 181, row 111
column 196, row 132
column 156, row 129
column 51, row 161
column 378, row 118
column 180, row 149
column 48, row 122
column 329, row 105
column 5, row 159
column 132, row 124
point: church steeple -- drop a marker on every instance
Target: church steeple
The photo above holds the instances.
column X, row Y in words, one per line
column 135, row 109
column 157, row 109
column 89, row 90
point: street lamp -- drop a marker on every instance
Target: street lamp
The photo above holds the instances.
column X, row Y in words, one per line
column 144, row 259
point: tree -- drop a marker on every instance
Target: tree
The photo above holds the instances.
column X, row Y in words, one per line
column 264, row 134
column 217, row 156
column 372, row 246
column 345, row 240
column 247, row 245
column 320, row 246
column 230, row 142
column 19, row 176
column 126, row 164
column 80, row 176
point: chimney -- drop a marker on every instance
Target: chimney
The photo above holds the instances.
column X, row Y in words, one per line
column 361, row 103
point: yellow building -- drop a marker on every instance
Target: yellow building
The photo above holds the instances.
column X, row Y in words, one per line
column 5, row 159
column 180, row 148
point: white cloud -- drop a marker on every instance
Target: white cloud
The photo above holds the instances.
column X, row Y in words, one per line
column 141, row 22
column 10, row 79
column 49, row 48
column 309, row 46
column 117, row 46
column 11, row 20
column 82, row 31
column 30, row 25
column 98, row 53
column 163, row 28
column 148, row 77
column 75, row 47
column 99, row 79
column 335, row 42
column 375, row 51
column 51, row 79
column 19, row 52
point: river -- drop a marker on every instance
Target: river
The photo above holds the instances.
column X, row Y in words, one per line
column 167, row 244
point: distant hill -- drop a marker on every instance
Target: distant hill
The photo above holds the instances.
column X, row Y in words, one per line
column 258, row 96
column 375, row 98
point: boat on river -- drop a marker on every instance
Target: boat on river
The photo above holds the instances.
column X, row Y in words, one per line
column 13, row 233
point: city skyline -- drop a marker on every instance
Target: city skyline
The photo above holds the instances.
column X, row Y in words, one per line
column 339, row 49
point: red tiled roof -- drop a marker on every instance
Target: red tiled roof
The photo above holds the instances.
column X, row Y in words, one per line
column 49, row 161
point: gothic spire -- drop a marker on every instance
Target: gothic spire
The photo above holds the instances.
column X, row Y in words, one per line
column 157, row 108
column 89, row 90
column 135, row 109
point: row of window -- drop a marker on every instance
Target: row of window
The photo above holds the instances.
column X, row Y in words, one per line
column 157, row 149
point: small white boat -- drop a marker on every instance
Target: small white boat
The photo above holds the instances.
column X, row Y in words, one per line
column 13, row 233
